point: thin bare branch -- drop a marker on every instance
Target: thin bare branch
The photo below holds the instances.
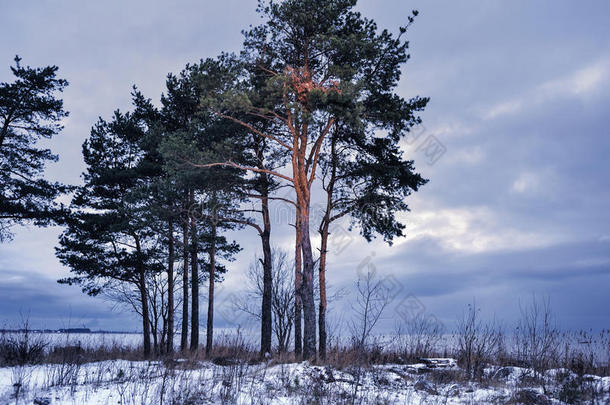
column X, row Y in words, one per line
column 240, row 167
column 252, row 129
column 315, row 152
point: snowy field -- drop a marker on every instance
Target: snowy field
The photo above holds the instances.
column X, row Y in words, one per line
column 74, row 380
column 182, row 382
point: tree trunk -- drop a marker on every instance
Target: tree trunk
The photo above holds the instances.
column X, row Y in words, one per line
column 194, row 288
column 185, row 288
column 298, row 337
column 322, row 286
column 154, row 318
column 145, row 315
column 307, row 298
column 163, row 327
column 155, row 334
column 266, row 321
column 170, row 289
column 143, row 298
column 265, row 234
column 210, row 322
column 324, row 232
column 5, row 125
column 302, row 180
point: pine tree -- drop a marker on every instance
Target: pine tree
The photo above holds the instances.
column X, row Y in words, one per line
column 364, row 176
column 263, row 155
column 218, row 205
column 369, row 183
column 191, row 136
column 179, row 126
column 108, row 238
column 244, row 148
column 29, row 112
column 324, row 63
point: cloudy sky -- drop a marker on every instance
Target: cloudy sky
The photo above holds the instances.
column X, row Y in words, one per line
column 517, row 204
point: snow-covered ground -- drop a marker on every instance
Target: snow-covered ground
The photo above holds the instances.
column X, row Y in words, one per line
column 186, row 382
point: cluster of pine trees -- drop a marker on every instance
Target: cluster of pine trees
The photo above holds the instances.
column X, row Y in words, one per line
column 309, row 106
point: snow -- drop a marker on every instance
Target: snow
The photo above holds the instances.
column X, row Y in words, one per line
column 140, row 382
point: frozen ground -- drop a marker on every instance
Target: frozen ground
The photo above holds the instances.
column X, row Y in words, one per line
column 233, row 382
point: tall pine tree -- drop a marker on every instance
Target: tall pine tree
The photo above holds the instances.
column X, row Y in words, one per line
column 108, row 238
column 320, row 59
column 29, row 112
column 194, row 135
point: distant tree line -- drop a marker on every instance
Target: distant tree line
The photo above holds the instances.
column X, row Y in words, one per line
column 308, row 104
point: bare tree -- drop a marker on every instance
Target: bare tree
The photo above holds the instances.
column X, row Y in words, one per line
column 126, row 296
column 371, row 300
column 282, row 296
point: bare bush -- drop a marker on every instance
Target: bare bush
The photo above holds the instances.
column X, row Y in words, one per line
column 232, row 348
column 22, row 347
column 419, row 336
column 477, row 342
column 536, row 337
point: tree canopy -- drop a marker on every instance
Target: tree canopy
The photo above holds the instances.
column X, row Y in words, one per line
column 29, row 111
column 310, row 105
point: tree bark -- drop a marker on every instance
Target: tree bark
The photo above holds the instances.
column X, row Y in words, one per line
column 155, row 331
column 163, row 327
column 194, row 287
column 145, row 318
column 309, row 311
column 144, row 301
column 322, row 286
column 185, row 288
column 210, row 321
column 266, row 321
column 298, row 337
column 170, row 289
column 5, row 125
column 324, row 232
column 302, row 185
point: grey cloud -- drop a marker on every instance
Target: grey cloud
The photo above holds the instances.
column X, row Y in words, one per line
column 540, row 171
